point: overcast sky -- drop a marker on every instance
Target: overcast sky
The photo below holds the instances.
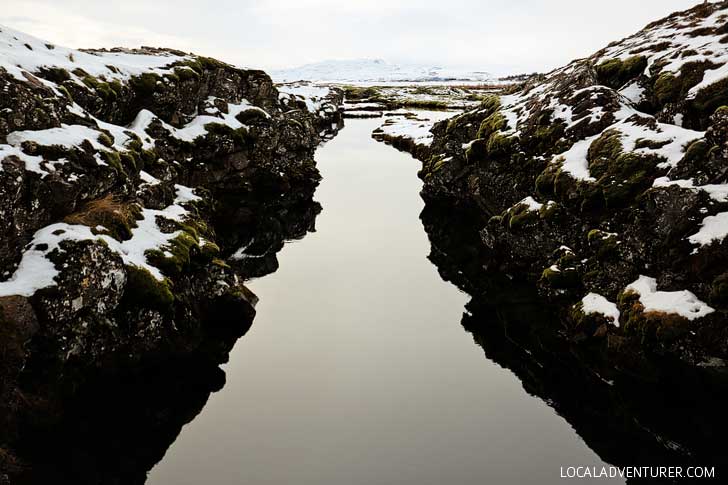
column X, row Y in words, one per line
column 495, row 35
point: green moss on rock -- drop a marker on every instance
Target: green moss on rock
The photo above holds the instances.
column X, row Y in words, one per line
column 176, row 256
column 499, row 146
column 145, row 85
column 108, row 91
column 239, row 136
column 710, row 99
column 145, row 291
column 477, row 150
column 57, row 75
column 667, row 88
column 209, row 251
column 615, row 73
column 651, row 327
column 492, row 124
column 602, row 151
column 560, row 278
column 105, row 140
column 550, row 211
column 113, row 159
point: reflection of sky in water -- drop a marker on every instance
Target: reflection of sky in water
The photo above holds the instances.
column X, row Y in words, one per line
column 357, row 370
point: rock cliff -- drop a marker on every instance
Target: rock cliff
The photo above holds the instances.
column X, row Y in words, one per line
column 604, row 185
column 140, row 189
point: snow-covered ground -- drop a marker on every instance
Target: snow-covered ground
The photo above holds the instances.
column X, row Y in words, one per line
column 412, row 127
column 373, row 71
column 21, row 53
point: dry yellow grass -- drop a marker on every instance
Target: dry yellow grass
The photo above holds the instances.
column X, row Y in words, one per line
column 117, row 216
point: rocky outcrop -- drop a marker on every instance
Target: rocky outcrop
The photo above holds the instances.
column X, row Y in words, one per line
column 604, row 184
column 138, row 186
column 630, row 408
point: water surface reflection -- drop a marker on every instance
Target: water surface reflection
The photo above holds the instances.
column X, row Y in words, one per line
column 356, row 370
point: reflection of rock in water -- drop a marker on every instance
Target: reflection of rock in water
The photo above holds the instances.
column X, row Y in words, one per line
column 113, row 423
column 630, row 408
column 265, row 234
column 116, row 429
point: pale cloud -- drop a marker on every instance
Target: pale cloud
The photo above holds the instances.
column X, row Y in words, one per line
column 496, row 35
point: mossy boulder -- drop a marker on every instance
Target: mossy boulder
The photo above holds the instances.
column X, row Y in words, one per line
column 615, row 73
column 144, row 290
column 589, row 324
column 558, row 278
column 492, row 124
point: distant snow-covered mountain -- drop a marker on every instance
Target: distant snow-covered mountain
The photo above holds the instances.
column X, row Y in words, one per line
column 374, row 70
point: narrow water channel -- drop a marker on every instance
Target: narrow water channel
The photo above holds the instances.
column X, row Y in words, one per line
column 357, row 370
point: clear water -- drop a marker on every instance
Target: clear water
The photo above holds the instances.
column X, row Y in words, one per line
column 357, row 370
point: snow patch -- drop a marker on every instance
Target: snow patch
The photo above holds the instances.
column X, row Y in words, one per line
column 683, row 303
column 36, row 271
column 595, row 303
column 713, row 229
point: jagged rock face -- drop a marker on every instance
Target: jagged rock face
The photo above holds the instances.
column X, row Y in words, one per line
column 628, row 406
column 604, row 184
column 134, row 183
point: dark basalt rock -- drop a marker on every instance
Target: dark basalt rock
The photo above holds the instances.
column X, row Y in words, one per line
column 568, row 234
column 630, row 406
column 100, row 369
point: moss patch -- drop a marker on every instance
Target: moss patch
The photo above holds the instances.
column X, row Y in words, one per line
column 109, row 91
column 239, row 136
column 145, row 291
column 560, row 278
column 145, row 85
column 651, row 327
column 602, row 151
column 105, row 140
column 615, row 73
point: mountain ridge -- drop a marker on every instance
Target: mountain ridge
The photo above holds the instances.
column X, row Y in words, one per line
column 375, row 70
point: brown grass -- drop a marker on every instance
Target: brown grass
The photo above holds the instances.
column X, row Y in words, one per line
column 107, row 211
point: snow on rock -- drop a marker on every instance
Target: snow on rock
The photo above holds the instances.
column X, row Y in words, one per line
column 574, row 162
column 677, row 41
column 148, row 179
column 185, row 195
column 27, row 58
column 664, row 47
column 595, row 303
column 531, row 204
column 673, row 140
column 32, row 163
column 712, row 229
column 36, row 271
column 140, row 124
column 717, row 192
column 416, row 130
column 602, row 137
column 197, row 127
column 633, row 92
column 683, row 303
column 21, row 53
column 68, row 136
column 413, row 128
column 313, row 95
